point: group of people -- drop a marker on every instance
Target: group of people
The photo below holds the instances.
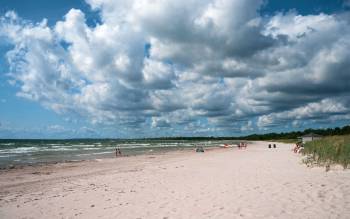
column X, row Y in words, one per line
column 299, row 147
column 118, row 152
column 242, row 145
column 274, row 146
column 199, row 149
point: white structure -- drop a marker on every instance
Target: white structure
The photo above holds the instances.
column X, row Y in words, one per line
column 310, row 137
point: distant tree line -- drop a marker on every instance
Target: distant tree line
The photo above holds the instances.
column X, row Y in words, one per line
column 270, row 136
column 294, row 135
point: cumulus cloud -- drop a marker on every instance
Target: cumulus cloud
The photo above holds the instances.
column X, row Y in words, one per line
column 196, row 65
column 324, row 109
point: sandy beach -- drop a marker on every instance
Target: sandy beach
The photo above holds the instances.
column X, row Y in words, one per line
column 223, row 183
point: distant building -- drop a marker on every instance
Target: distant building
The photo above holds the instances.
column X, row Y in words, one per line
column 310, row 137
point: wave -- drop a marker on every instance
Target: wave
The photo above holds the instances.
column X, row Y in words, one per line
column 97, row 153
column 19, row 150
column 41, row 151
column 6, row 156
column 24, row 150
column 7, row 144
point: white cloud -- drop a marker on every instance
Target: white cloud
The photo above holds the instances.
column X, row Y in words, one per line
column 317, row 110
column 216, row 63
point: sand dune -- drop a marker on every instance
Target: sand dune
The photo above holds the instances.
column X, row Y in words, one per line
column 225, row 183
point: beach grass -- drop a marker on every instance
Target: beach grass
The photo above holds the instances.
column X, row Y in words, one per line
column 328, row 151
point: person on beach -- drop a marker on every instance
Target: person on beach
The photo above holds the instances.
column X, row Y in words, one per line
column 199, row 149
column 299, row 147
column 242, row 145
column 118, row 152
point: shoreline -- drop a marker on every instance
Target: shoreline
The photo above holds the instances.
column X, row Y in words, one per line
column 49, row 168
column 112, row 156
column 256, row 182
column 37, row 153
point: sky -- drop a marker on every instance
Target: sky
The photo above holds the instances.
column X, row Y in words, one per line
column 154, row 68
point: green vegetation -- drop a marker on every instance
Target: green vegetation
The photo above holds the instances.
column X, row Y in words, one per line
column 328, row 151
column 293, row 136
column 286, row 137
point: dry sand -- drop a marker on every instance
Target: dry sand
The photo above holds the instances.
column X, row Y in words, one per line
column 226, row 183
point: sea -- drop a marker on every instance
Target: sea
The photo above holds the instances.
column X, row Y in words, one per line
column 31, row 152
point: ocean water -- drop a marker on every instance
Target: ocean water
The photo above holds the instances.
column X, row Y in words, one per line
column 27, row 152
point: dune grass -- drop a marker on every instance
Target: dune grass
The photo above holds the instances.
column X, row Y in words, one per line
column 328, row 151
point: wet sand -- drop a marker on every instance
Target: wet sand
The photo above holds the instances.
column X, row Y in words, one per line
column 224, row 183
